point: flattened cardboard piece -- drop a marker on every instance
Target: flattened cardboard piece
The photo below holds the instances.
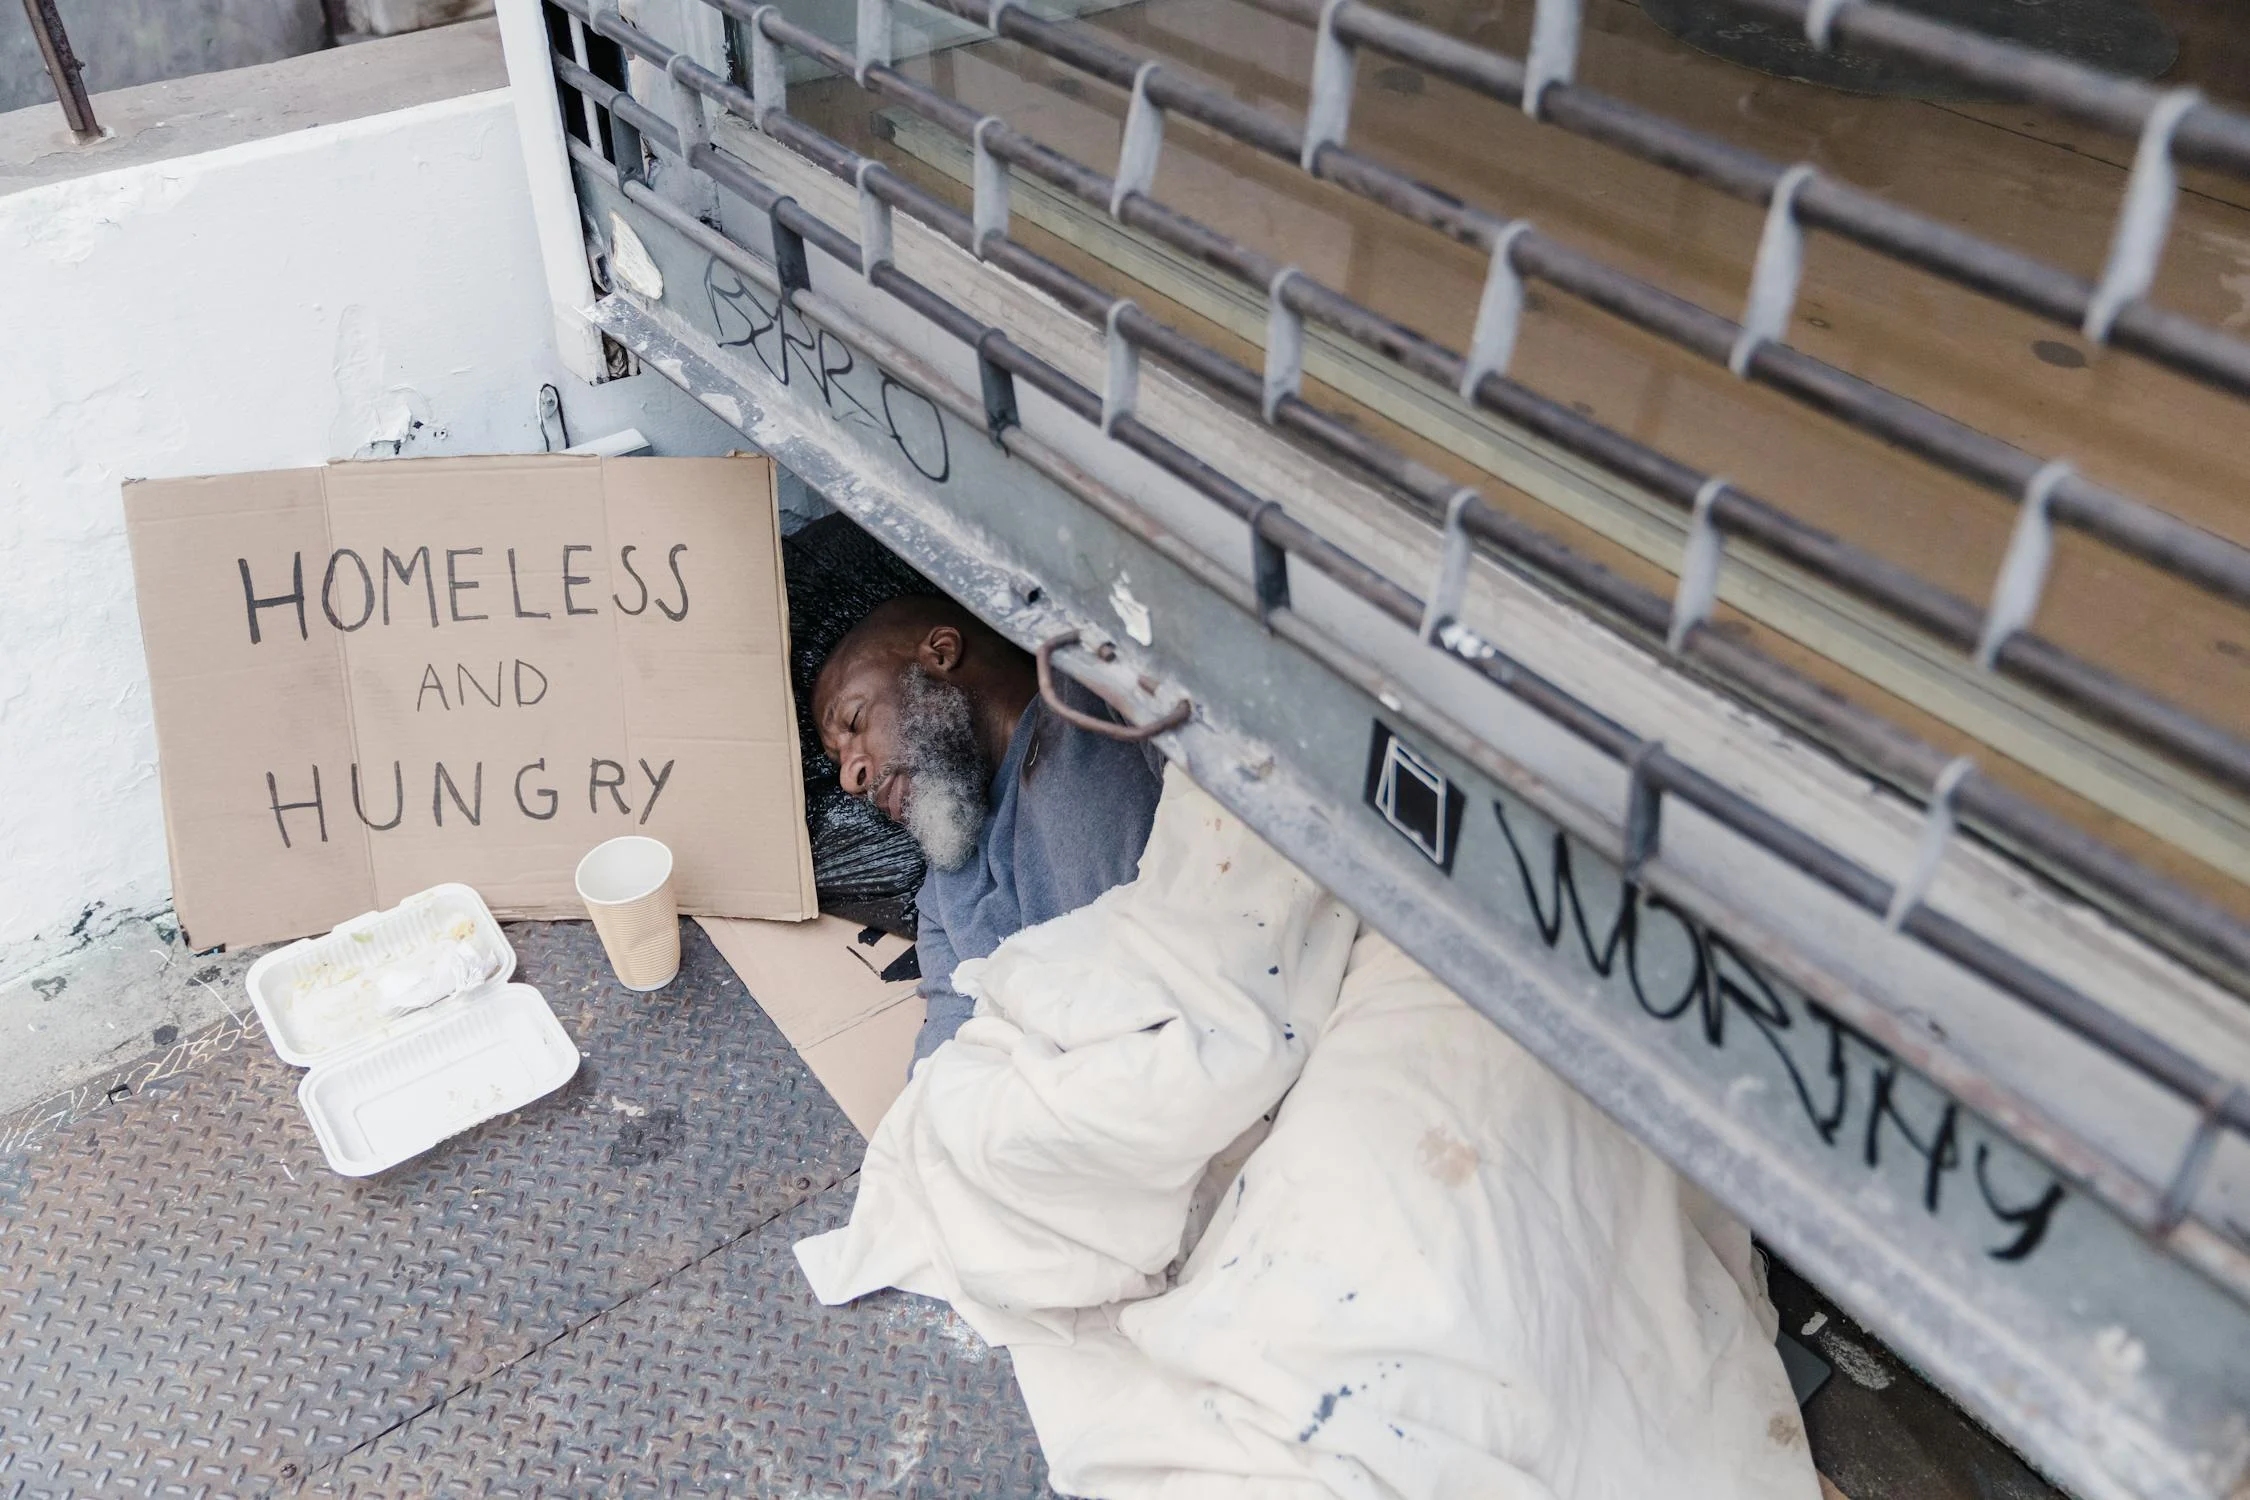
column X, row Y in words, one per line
column 864, row 1068
column 377, row 677
column 824, row 989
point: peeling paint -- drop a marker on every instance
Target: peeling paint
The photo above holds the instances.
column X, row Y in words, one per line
column 374, row 419
column 630, row 261
column 2120, row 1356
column 67, row 222
column 1131, row 611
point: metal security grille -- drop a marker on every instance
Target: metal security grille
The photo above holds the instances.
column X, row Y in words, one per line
column 658, row 154
column 1999, row 636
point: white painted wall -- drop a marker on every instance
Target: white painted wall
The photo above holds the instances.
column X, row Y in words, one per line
column 353, row 289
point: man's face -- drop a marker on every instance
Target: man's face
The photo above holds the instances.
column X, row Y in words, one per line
column 905, row 740
column 856, row 706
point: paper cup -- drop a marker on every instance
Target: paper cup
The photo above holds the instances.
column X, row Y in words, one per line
column 627, row 887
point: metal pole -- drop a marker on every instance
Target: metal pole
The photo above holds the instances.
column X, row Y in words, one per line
column 63, row 67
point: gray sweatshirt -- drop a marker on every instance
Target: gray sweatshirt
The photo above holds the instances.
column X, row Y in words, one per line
column 1070, row 815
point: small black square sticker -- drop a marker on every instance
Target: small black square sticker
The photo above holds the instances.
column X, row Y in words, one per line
column 1414, row 797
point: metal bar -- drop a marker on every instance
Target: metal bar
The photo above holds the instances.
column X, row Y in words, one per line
column 2171, row 339
column 2137, row 528
column 2210, row 135
column 2131, row 525
column 1269, row 565
column 2103, row 696
column 1272, row 525
column 2209, row 937
column 64, row 69
column 588, row 114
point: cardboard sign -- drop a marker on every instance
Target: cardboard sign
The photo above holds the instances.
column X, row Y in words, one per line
column 374, row 677
column 823, row 984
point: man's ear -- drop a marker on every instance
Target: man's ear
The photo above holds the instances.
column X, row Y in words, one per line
column 941, row 650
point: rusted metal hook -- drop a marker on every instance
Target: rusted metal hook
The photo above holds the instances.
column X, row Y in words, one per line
column 1131, row 734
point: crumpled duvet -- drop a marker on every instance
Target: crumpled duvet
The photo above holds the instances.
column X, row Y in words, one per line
column 1262, row 1209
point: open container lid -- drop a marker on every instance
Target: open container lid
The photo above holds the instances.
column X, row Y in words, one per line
column 375, row 975
column 409, row 1026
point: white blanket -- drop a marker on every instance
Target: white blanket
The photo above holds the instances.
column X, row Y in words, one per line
column 1441, row 1274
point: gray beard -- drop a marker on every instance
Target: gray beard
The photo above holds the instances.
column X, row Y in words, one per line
column 946, row 809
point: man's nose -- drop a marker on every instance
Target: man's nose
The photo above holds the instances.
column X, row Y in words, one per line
column 856, row 772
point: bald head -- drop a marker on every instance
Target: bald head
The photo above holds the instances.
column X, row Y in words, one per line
column 894, row 633
column 908, row 684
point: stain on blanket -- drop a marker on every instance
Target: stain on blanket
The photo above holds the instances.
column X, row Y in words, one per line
column 1323, row 1412
column 1446, row 1159
column 1785, row 1430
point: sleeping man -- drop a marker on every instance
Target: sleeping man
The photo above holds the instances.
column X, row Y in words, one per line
column 1259, row 1207
column 1261, row 1210
column 936, row 720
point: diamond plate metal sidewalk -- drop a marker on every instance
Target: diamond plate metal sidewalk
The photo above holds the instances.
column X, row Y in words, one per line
column 728, row 1379
column 594, row 1296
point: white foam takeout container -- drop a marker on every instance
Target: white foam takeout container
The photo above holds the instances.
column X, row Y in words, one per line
column 387, row 1083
